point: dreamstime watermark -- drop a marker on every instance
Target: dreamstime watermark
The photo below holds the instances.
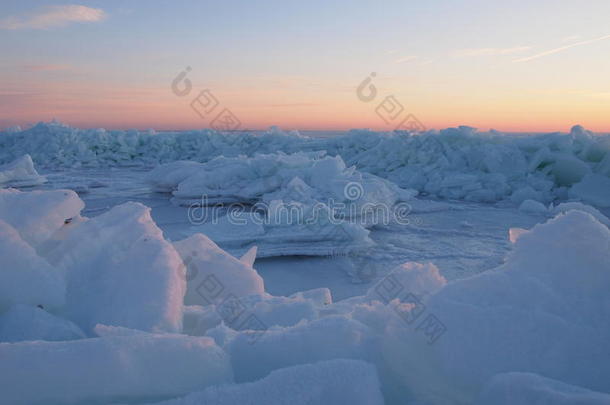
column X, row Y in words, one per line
column 276, row 213
column 205, row 103
column 410, row 308
column 228, row 306
column 390, row 110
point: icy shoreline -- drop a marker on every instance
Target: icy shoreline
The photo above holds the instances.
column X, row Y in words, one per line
column 454, row 163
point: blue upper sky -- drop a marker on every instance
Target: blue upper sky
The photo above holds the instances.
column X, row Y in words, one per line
column 516, row 65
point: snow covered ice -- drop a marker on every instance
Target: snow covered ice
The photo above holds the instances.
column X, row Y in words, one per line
column 527, row 388
column 20, row 173
column 331, row 382
column 549, row 297
column 110, row 369
column 494, row 291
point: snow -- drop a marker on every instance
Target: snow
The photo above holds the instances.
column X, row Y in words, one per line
column 319, row 296
column 528, row 388
column 332, row 337
column 533, row 207
column 249, row 257
column 568, row 169
column 329, row 382
column 594, row 189
column 137, row 306
column 544, row 311
column 212, row 274
column 109, row 369
column 37, row 215
column 20, row 173
column 568, row 206
column 238, row 232
column 24, row 322
column 306, row 178
column 515, row 233
column 304, row 203
column 121, row 271
column 25, row 277
column 418, row 279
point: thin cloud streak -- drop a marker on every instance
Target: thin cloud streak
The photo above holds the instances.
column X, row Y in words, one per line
column 53, row 16
column 490, row 51
column 407, row 59
column 561, row 49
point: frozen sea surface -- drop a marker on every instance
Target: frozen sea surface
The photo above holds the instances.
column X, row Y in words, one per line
column 494, row 290
column 460, row 238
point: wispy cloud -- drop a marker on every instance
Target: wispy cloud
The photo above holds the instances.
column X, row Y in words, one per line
column 53, row 16
column 561, row 49
column 490, row 51
column 411, row 58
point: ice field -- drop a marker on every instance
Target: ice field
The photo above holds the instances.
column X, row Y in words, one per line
column 449, row 267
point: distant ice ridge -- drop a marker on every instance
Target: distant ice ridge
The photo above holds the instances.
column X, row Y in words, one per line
column 105, row 310
column 286, row 204
column 455, row 163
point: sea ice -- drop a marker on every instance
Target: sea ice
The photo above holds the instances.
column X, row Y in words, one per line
column 121, row 271
column 287, row 229
column 25, row 277
column 328, row 382
column 594, row 189
column 212, row 274
column 533, row 207
column 20, row 173
column 454, row 163
column 527, row 388
column 24, row 322
column 544, row 311
column 37, row 215
column 332, row 337
column 141, row 367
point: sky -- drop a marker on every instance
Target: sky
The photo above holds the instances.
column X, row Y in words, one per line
column 512, row 66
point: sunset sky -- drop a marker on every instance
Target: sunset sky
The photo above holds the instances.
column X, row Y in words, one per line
column 539, row 65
